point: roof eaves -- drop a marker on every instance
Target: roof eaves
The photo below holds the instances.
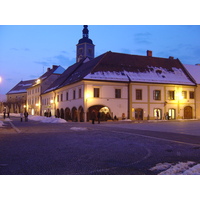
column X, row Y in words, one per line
column 187, row 73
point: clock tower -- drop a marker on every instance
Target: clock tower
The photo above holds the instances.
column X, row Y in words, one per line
column 85, row 46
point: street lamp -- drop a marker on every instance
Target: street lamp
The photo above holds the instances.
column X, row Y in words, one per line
column 0, row 96
column 179, row 98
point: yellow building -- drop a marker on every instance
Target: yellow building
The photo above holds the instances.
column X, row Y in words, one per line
column 40, row 85
column 17, row 97
column 194, row 70
column 123, row 86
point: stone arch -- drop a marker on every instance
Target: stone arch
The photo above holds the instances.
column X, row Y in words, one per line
column 62, row 113
column 57, row 113
column 74, row 114
column 67, row 114
column 80, row 114
column 104, row 110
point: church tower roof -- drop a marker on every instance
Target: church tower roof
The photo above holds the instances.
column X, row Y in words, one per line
column 85, row 46
column 85, row 38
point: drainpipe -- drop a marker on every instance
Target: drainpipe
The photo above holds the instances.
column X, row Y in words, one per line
column 129, row 98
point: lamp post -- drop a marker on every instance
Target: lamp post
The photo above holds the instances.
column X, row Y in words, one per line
column 37, row 108
column 1, row 104
column 52, row 107
column 180, row 98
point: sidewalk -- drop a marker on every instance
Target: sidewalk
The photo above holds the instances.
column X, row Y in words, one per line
column 189, row 127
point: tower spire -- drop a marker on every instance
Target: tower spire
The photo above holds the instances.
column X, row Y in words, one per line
column 85, row 31
column 85, row 46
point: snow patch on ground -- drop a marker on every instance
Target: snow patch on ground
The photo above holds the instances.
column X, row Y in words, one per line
column 46, row 119
column 181, row 168
column 125, row 120
column 1, row 124
column 79, row 128
column 7, row 120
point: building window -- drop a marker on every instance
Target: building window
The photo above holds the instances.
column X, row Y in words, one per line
column 58, row 98
column 67, row 96
column 171, row 95
column 96, row 92
column 90, row 51
column 74, row 94
column 79, row 93
column 117, row 93
column 157, row 95
column 80, row 50
column 157, row 113
column 184, row 94
column 138, row 94
column 191, row 95
column 61, row 97
column 172, row 113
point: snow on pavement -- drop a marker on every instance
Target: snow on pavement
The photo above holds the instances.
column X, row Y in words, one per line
column 79, row 128
column 181, row 168
column 42, row 119
column 1, row 124
column 46, row 119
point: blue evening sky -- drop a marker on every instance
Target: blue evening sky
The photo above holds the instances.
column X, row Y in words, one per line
column 26, row 51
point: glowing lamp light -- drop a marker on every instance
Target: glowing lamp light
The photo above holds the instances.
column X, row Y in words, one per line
column 180, row 96
column 0, row 79
column 51, row 101
column 37, row 104
column 88, row 95
column 38, row 81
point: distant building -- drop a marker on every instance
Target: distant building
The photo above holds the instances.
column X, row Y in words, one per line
column 40, row 85
column 17, row 96
column 194, row 70
column 2, row 100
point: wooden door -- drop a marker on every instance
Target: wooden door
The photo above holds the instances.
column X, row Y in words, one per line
column 188, row 112
column 139, row 114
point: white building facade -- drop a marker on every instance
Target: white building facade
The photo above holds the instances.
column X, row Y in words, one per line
column 76, row 102
column 120, row 86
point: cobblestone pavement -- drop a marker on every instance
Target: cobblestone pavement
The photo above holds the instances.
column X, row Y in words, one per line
column 34, row 148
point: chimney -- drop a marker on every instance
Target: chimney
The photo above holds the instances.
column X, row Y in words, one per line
column 171, row 57
column 149, row 53
column 48, row 69
column 54, row 66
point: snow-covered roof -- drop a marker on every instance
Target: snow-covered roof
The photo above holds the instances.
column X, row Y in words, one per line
column 21, row 87
column 134, row 68
column 156, row 75
column 120, row 67
column 194, row 70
